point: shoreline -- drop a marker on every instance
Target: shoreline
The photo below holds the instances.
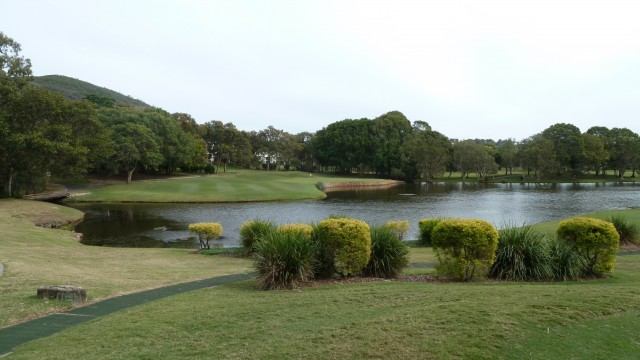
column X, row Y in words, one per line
column 357, row 185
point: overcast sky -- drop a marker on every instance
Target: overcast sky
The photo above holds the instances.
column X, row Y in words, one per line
column 471, row 69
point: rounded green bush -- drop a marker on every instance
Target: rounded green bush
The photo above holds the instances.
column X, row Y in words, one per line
column 251, row 232
column 345, row 246
column 206, row 232
column 465, row 248
column 284, row 260
column 596, row 241
column 389, row 254
column 426, row 227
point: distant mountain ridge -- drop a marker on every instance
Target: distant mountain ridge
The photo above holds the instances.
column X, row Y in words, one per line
column 77, row 89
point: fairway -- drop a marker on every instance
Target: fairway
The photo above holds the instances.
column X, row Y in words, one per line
column 386, row 320
column 236, row 185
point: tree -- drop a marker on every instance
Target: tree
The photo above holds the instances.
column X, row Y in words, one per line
column 507, row 155
column 15, row 71
column 390, row 131
column 346, row 145
column 46, row 134
column 225, row 144
column 568, row 144
column 537, row 154
column 136, row 146
column 595, row 154
column 427, row 152
column 624, row 149
column 272, row 145
column 15, row 74
column 469, row 156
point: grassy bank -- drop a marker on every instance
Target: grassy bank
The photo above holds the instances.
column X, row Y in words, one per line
column 34, row 256
column 233, row 186
column 390, row 320
column 385, row 319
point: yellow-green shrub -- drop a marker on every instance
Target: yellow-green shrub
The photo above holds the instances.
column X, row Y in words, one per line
column 344, row 245
column 465, row 248
column 251, row 232
column 596, row 241
column 304, row 229
column 206, row 232
column 399, row 227
column 426, row 227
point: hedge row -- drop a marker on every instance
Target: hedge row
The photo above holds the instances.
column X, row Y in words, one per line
column 288, row 255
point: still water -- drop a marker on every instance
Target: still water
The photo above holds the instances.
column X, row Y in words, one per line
column 165, row 225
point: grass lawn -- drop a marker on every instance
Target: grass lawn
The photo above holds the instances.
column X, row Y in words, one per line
column 233, row 186
column 383, row 319
column 33, row 256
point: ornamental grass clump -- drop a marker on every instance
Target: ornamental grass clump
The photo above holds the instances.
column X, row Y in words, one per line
column 304, row 229
column 466, row 248
column 595, row 241
column 206, row 232
column 629, row 232
column 252, row 232
column 566, row 263
column 344, row 246
column 389, row 254
column 284, row 260
column 522, row 255
column 426, row 227
column 400, row 227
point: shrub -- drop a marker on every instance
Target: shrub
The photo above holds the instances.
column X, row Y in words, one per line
column 251, row 232
column 595, row 241
column 522, row 255
column 400, row 228
column 465, row 248
column 344, row 246
column 566, row 263
column 426, row 227
column 206, row 232
column 304, row 229
column 284, row 260
column 629, row 232
column 389, row 255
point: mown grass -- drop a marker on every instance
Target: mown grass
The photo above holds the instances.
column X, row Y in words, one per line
column 234, row 186
column 384, row 320
column 33, row 256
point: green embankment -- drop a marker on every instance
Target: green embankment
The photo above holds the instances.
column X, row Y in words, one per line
column 373, row 319
column 33, row 256
column 233, row 186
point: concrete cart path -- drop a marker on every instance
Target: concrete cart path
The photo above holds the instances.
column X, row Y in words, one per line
column 18, row 334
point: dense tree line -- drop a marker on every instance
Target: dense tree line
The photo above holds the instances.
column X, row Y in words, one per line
column 44, row 134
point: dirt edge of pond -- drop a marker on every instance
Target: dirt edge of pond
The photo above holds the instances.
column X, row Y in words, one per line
column 358, row 185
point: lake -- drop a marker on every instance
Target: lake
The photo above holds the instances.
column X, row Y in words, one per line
column 165, row 225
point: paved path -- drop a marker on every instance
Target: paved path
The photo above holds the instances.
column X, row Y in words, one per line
column 18, row 334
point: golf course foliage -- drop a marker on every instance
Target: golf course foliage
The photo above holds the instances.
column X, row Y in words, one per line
column 206, row 232
column 595, row 241
column 466, row 248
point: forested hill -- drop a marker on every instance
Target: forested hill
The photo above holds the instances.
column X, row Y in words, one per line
column 77, row 89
